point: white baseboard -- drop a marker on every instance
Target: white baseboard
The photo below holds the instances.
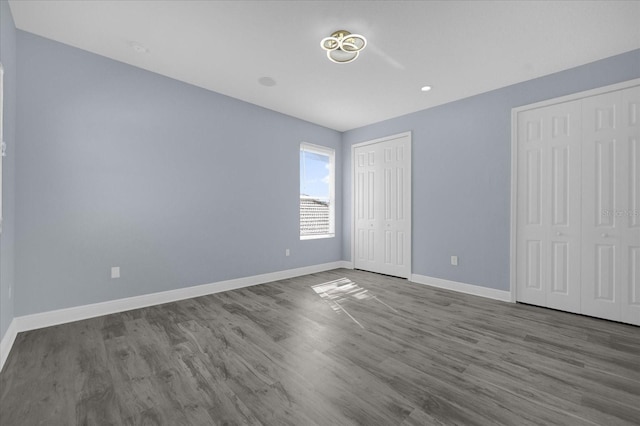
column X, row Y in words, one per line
column 476, row 290
column 7, row 342
column 77, row 313
column 346, row 264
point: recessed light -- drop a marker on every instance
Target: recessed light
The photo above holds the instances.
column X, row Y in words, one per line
column 425, row 88
column 267, row 81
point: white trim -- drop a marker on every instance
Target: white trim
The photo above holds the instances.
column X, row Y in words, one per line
column 7, row 342
column 514, row 204
column 317, row 237
column 476, row 290
column 346, row 264
column 580, row 95
column 3, row 144
column 410, row 184
column 514, row 161
column 383, row 139
column 77, row 313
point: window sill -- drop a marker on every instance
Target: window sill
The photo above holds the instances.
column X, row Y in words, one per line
column 316, row 237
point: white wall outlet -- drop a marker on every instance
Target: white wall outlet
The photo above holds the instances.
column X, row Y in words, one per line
column 115, row 272
column 10, row 291
column 287, row 252
column 454, row 260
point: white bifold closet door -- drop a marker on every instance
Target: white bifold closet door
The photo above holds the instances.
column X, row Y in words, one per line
column 549, row 206
column 611, row 206
column 578, row 206
column 382, row 206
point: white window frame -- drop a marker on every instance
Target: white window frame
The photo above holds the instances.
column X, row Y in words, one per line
column 331, row 153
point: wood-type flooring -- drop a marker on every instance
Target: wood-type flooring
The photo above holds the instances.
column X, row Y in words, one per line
column 340, row 347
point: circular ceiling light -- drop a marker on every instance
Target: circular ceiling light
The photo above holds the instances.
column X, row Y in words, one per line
column 425, row 88
column 343, row 47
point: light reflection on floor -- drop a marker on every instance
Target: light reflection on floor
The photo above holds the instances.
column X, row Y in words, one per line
column 336, row 293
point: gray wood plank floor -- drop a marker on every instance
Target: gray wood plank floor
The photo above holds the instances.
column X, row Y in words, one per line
column 335, row 348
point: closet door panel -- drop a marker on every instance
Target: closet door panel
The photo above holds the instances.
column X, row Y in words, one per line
column 533, row 224
column 603, row 198
column 629, row 217
column 366, row 234
column 548, row 241
column 564, row 141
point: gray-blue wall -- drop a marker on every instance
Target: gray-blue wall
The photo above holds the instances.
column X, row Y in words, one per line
column 462, row 168
column 180, row 186
column 8, row 59
column 177, row 185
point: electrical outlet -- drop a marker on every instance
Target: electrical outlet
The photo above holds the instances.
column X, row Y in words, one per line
column 115, row 272
column 10, row 291
column 287, row 252
column 454, row 260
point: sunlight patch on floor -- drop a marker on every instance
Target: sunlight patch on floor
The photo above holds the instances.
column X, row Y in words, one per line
column 337, row 292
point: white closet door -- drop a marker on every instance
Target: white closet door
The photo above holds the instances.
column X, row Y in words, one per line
column 564, row 137
column 532, row 226
column 395, row 207
column 601, row 200
column 611, row 232
column 366, row 215
column 548, row 206
column 382, row 194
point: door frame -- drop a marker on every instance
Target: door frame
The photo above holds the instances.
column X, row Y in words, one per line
column 513, row 288
column 410, row 190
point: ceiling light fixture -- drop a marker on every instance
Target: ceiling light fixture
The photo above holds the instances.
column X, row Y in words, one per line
column 343, row 47
column 425, row 88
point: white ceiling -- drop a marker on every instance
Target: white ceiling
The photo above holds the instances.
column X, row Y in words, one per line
column 461, row 48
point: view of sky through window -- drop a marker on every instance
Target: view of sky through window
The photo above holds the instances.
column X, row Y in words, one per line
column 314, row 175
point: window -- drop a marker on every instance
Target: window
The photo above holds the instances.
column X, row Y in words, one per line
column 317, row 189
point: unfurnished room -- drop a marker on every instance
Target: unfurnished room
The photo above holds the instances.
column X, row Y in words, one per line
column 319, row 213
